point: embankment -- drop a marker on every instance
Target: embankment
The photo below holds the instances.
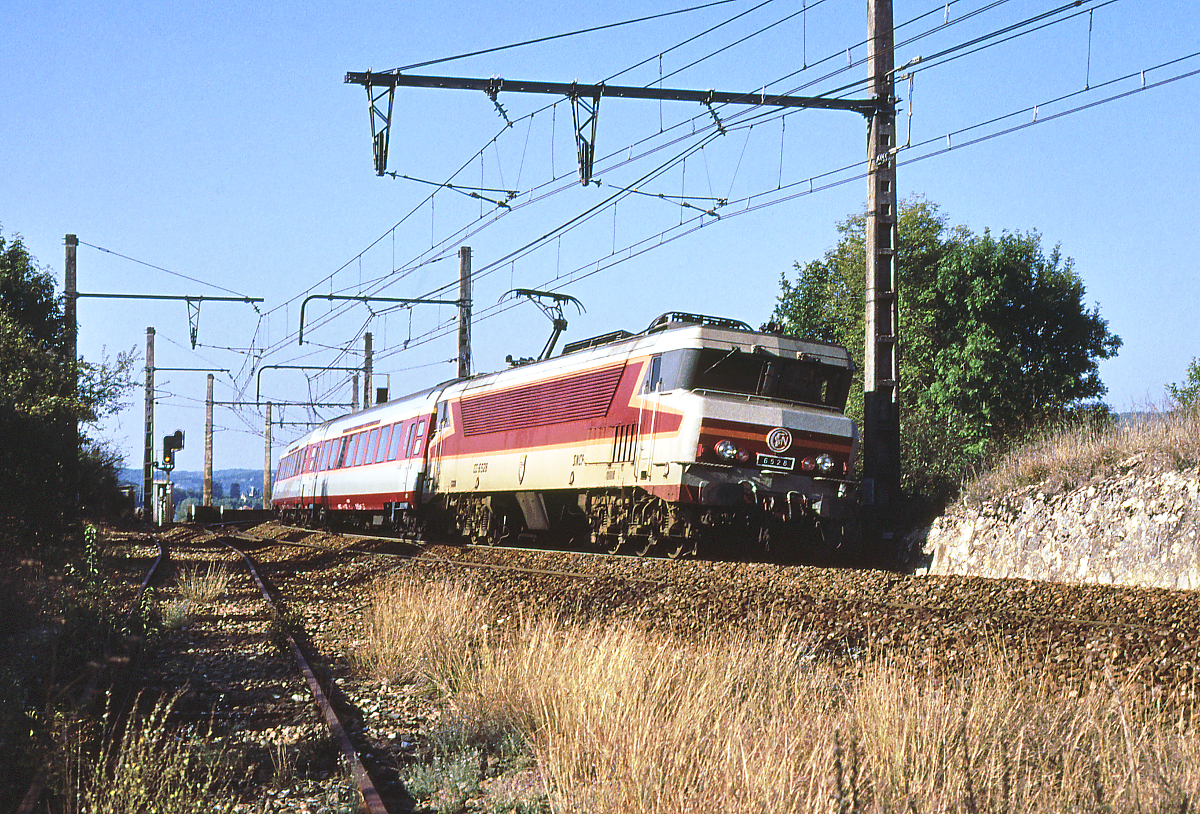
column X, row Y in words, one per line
column 1132, row 527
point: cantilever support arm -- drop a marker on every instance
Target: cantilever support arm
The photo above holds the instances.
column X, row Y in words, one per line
column 365, row 299
column 585, row 99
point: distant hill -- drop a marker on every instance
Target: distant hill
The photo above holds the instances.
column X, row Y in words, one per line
column 248, row 480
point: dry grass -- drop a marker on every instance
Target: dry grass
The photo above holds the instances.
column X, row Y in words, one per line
column 415, row 639
column 1070, row 456
column 197, row 589
column 624, row 721
column 143, row 765
column 202, row 587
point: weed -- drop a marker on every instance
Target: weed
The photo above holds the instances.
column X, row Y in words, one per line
column 447, row 782
column 177, row 614
column 202, row 588
column 144, row 765
column 282, row 763
column 1068, row 456
column 622, row 720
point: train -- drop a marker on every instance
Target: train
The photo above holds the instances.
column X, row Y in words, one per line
column 697, row 435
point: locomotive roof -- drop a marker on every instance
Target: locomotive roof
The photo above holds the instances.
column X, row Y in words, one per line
column 667, row 332
column 700, row 327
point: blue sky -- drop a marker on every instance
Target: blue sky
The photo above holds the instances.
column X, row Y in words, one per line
column 220, row 142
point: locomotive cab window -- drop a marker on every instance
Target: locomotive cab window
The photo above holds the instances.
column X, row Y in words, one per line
column 765, row 374
column 666, row 371
column 654, row 378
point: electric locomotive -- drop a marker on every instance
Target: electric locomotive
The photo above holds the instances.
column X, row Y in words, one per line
column 698, row 433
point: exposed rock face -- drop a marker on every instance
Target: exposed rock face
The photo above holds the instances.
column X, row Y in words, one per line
column 1132, row 528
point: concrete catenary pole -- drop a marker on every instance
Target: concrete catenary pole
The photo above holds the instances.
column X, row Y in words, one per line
column 354, row 396
column 464, row 311
column 266, row 500
column 881, row 404
column 69, row 299
column 208, row 443
column 367, row 363
column 148, row 456
column 70, row 289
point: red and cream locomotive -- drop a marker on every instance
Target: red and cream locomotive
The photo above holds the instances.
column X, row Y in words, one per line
column 697, row 431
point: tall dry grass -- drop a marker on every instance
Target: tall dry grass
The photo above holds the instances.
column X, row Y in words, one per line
column 413, row 639
column 621, row 720
column 1066, row 457
column 204, row 586
column 143, row 764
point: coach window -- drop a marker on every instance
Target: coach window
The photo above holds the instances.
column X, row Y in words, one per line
column 372, row 441
column 367, row 452
column 415, row 447
column 382, row 448
column 397, row 438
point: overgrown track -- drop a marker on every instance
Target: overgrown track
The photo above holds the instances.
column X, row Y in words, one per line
column 237, row 663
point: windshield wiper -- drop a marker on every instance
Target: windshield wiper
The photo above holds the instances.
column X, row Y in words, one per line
column 732, row 351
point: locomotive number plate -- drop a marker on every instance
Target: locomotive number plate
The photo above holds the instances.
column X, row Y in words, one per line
column 776, row 462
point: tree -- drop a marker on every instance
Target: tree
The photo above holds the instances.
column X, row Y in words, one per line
column 1187, row 393
column 995, row 337
column 43, row 393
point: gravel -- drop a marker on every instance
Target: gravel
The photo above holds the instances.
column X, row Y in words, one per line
column 231, row 670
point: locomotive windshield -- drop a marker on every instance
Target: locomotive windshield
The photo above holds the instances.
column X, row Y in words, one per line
column 764, row 374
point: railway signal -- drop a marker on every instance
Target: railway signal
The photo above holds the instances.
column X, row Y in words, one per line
column 171, row 443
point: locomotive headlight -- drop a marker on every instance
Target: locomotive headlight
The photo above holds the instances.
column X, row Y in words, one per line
column 725, row 450
column 743, row 456
column 825, row 462
column 808, row 464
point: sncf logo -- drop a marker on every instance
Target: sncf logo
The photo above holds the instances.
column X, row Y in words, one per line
column 779, row 439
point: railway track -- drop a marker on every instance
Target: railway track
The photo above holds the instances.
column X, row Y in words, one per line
column 247, row 676
column 430, row 555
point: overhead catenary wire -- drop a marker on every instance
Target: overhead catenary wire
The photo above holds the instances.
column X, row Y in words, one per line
column 962, row 47
column 493, row 142
column 667, row 236
column 552, row 37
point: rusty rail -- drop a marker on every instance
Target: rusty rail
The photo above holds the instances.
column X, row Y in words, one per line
column 366, row 785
